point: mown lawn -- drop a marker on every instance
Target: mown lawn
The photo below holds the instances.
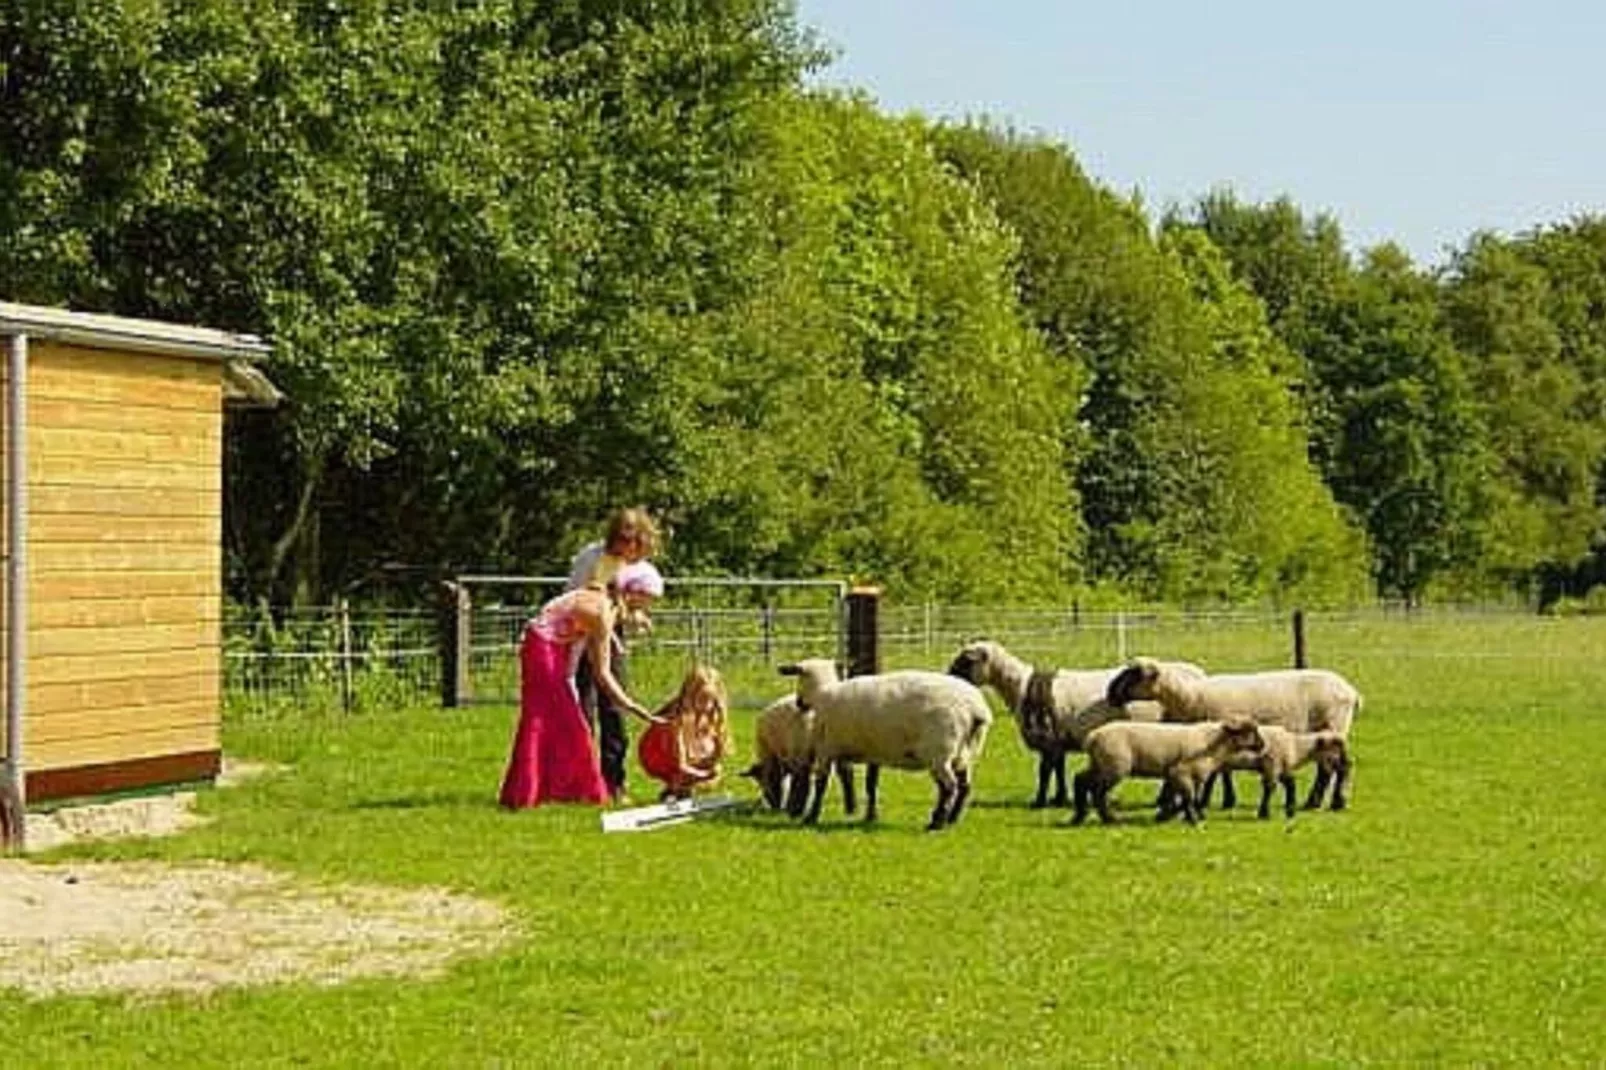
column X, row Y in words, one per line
column 1455, row 915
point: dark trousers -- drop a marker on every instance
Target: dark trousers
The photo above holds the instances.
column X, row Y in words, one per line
column 607, row 723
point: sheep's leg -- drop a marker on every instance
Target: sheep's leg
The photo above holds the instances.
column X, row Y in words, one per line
column 1060, row 797
column 947, row 787
column 1080, row 786
column 1045, row 769
column 1340, row 782
column 1101, row 800
column 822, row 780
column 1208, row 789
column 797, row 792
column 1318, row 789
column 1268, row 788
column 961, row 793
column 771, row 781
column 1187, row 792
column 1229, row 797
column 1288, row 795
column 844, row 774
column 1165, row 805
column 872, row 781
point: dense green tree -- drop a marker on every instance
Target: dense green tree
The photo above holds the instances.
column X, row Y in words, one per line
column 1196, row 449
column 887, row 412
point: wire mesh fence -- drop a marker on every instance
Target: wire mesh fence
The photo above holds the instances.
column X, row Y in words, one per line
column 341, row 658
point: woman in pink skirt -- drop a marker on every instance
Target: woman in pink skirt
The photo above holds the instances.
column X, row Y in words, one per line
column 554, row 759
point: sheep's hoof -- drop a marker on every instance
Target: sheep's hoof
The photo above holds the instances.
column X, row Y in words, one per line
column 1062, row 801
column 1039, row 802
column 1340, row 804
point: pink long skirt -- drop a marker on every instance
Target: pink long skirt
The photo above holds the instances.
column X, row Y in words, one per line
column 554, row 759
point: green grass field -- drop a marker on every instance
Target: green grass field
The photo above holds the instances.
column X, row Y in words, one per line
column 1455, row 915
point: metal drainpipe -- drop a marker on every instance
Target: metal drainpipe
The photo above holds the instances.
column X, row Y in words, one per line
column 16, row 567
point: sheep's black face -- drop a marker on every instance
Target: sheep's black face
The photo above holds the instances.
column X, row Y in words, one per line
column 967, row 666
column 1244, row 737
column 1121, row 688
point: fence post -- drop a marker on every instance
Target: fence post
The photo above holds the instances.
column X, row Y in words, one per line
column 456, row 642
column 1120, row 637
column 1299, row 638
column 343, row 616
column 864, row 646
column 768, row 624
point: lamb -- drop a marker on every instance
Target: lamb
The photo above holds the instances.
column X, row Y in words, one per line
column 1300, row 700
column 907, row 720
column 1179, row 754
column 782, row 761
column 1056, row 709
column 1285, row 752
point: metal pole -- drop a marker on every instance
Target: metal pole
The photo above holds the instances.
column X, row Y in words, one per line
column 16, row 787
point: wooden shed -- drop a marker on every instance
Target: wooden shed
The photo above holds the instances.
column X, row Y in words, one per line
column 113, row 515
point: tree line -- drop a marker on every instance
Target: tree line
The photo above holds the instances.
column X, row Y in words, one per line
column 523, row 262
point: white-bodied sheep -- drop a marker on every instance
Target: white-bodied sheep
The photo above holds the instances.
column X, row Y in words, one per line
column 1300, row 700
column 782, row 760
column 1055, row 708
column 906, row 720
column 1179, row 754
column 1285, row 752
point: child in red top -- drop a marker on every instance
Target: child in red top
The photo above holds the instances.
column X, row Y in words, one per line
column 685, row 749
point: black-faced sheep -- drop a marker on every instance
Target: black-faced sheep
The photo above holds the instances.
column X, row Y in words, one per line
column 1055, row 708
column 782, row 761
column 1285, row 752
column 1181, row 755
column 1300, row 700
column 905, row 720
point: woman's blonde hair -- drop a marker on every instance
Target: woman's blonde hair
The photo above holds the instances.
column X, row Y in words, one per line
column 633, row 523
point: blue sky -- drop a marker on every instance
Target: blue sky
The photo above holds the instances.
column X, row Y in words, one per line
column 1417, row 121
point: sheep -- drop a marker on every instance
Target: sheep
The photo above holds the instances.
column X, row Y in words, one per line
column 1285, row 752
column 907, row 720
column 1056, row 709
column 782, row 762
column 1300, row 700
column 1179, row 754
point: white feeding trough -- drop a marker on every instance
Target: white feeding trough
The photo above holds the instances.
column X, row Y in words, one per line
column 660, row 815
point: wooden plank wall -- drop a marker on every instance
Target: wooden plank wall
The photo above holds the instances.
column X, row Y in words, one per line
column 125, row 557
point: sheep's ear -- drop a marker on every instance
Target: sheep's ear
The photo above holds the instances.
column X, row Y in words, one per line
column 789, row 669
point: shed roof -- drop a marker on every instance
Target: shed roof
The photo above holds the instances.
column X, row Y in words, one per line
column 242, row 381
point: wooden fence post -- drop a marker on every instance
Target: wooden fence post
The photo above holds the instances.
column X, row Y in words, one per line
column 864, row 638
column 456, row 645
column 1299, row 638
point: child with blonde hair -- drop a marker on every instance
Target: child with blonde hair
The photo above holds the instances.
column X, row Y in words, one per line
column 684, row 750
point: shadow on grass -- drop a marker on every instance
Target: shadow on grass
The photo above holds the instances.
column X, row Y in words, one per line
column 431, row 800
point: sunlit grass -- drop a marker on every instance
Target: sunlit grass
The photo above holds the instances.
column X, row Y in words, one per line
column 1455, row 915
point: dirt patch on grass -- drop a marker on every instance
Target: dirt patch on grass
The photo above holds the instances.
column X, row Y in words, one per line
column 147, row 927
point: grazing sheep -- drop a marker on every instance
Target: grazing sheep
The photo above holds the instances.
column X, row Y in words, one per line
column 1055, row 709
column 906, row 720
column 1285, row 752
column 1179, row 754
column 782, row 761
column 1300, row 700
